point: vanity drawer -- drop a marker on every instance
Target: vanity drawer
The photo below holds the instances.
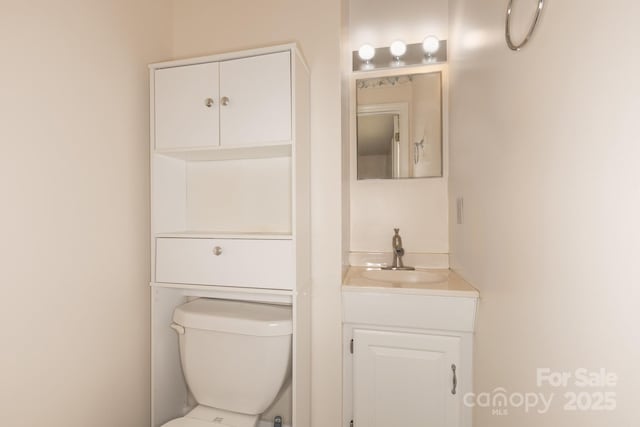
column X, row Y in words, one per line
column 266, row 264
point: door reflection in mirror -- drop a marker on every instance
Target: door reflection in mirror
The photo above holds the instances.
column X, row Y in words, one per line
column 399, row 126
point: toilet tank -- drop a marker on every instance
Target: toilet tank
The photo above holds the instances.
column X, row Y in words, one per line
column 235, row 355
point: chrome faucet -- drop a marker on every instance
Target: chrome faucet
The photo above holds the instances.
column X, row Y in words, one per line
column 398, row 253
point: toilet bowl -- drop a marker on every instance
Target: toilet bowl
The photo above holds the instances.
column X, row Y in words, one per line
column 235, row 357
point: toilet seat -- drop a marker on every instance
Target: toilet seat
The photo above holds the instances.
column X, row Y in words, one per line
column 204, row 416
column 192, row 422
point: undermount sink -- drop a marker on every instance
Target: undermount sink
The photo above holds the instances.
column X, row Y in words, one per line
column 405, row 276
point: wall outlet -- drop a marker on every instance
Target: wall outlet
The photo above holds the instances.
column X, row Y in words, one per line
column 459, row 210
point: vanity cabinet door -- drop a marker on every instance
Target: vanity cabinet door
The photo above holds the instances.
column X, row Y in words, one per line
column 187, row 106
column 405, row 379
column 255, row 93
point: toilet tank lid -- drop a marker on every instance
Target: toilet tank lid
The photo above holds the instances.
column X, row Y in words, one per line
column 235, row 317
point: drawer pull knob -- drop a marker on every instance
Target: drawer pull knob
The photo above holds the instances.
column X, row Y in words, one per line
column 217, row 251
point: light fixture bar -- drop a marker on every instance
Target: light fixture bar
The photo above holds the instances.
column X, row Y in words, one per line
column 414, row 55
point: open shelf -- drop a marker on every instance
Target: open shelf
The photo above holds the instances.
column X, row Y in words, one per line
column 228, row 153
column 233, row 197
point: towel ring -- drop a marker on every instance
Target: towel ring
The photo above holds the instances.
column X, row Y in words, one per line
column 507, row 31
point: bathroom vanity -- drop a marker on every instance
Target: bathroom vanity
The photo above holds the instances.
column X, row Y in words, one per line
column 407, row 340
column 230, row 204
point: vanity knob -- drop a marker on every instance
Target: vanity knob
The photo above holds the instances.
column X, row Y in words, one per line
column 208, row 102
column 217, row 251
column 224, row 100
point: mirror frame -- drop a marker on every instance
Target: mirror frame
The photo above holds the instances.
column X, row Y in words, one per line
column 353, row 117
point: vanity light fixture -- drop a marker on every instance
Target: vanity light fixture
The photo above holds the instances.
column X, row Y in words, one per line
column 430, row 45
column 397, row 49
column 367, row 52
column 400, row 54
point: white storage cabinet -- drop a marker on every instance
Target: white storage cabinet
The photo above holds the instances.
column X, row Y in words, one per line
column 407, row 360
column 229, row 103
column 230, row 204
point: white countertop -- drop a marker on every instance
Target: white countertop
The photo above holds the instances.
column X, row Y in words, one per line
column 451, row 285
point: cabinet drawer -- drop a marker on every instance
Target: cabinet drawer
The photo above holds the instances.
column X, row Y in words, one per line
column 264, row 264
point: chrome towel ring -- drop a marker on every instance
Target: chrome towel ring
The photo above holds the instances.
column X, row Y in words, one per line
column 507, row 32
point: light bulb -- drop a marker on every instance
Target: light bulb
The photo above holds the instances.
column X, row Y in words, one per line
column 430, row 45
column 398, row 48
column 366, row 52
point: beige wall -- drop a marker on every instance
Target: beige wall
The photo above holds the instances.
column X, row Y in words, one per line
column 74, row 216
column 379, row 22
column 544, row 150
column 345, row 99
column 205, row 27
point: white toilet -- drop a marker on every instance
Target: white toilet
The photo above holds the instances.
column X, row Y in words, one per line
column 235, row 358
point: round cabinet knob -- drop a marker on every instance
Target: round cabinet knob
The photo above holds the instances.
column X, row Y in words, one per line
column 208, row 102
column 224, row 100
column 217, row 251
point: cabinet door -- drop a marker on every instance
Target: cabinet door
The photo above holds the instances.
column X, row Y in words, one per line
column 187, row 106
column 404, row 379
column 257, row 94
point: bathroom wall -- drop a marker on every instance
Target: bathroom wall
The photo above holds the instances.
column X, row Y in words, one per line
column 345, row 99
column 379, row 22
column 544, row 150
column 74, row 217
column 204, row 27
column 418, row 207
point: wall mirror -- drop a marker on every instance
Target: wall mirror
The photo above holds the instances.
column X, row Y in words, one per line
column 399, row 126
